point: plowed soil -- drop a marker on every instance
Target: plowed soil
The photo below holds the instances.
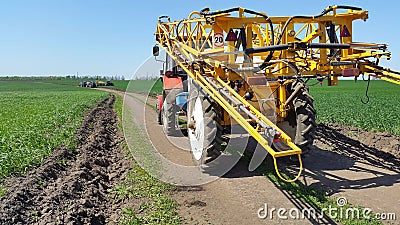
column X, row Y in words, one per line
column 382, row 147
column 72, row 186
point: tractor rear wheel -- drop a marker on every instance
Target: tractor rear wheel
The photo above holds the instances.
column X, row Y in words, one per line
column 305, row 117
column 168, row 112
column 204, row 126
column 300, row 123
column 159, row 115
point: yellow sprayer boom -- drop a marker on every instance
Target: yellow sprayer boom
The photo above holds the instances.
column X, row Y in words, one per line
column 251, row 69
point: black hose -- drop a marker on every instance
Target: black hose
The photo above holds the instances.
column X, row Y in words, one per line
column 329, row 45
column 177, row 29
column 324, row 12
column 205, row 13
column 164, row 17
column 366, row 91
column 287, row 46
column 266, row 49
column 348, row 7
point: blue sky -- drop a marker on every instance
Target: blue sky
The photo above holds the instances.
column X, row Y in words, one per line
column 60, row 37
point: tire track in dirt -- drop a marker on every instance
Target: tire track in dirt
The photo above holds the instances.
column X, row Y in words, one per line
column 72, row 186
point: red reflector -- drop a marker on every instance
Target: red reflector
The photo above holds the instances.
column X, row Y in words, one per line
column 231, row 36
column 169, row 73
column 345, row 32
column 277, row 137
column 350, row 72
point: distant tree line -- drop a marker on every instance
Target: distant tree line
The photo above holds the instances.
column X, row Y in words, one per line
column 146, row 78
column 116, row 77
column 68, row 77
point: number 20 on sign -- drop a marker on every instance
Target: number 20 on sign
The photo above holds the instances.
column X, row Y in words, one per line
column 218, row 40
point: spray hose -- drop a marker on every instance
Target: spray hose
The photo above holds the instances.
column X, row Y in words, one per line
column 280, row 175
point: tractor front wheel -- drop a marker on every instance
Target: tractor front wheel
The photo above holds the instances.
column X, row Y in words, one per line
column 204, row 126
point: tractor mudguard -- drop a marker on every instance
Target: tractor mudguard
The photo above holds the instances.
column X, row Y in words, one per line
column 172, row 82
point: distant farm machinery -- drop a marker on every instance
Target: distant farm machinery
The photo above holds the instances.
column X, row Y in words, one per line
column 239, row 66
column 96, row 83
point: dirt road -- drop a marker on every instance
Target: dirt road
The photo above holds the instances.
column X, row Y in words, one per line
column 362, row 173
column 232, row 199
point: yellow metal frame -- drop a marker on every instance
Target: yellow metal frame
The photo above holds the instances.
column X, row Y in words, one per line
column 190, row 41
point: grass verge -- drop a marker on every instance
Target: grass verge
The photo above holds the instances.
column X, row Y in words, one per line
column 3, row 191
column 148, row 199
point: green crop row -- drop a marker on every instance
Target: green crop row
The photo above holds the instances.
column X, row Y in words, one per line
column 143, row 86
column 342, row 104
column 36, row 118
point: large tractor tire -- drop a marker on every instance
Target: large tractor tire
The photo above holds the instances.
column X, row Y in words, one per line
column 159, row 110
column 168, row 112
column 159, row 116
column 305, row 118
column 300, row 124
column 204, row 126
